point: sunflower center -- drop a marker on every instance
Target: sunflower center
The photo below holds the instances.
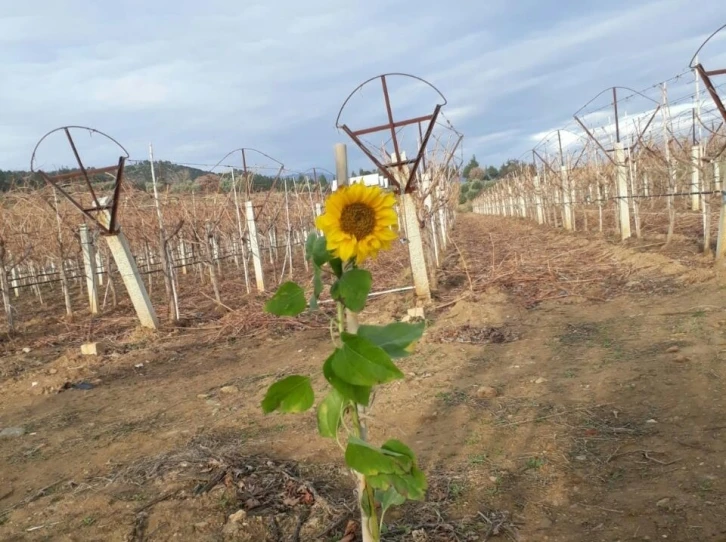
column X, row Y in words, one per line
column 358, row 219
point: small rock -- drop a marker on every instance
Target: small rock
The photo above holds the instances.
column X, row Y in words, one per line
column 651, row 421
column 201, row 525
column 93, row 349
column 12, row 432
column 493, row 479
column 52, row 371
column 139, row 366
column 540, row 380
column 203, row 396
column 581, row 458
column 486, row 392
column 663, row 503
column 229, row 389
column 26, row 350
column 673, row 349
column 238, row 517
column 681, row 359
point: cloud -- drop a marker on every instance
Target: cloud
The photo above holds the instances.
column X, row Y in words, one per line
column 201, row 79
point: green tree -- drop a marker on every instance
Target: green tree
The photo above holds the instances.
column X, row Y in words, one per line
column 492, row 173
column 468, row 167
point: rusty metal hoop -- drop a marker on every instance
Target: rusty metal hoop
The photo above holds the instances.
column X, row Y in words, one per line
column 243, row 151
column 706, row 75
column 98, row 207
column 392, row 125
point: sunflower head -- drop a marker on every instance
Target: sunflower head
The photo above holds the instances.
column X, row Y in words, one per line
column 358, row 221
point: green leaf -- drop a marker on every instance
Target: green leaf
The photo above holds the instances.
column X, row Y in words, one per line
column 362, row 363
column 352, row 289
column 388, row 498
column 394, row 338
column 289, row 300
column 371, row 461
column 291, row 394
column 412, row 485
column 358, row 394
column 320, row 251
column 317, row 287
column 309, row 244
column 336, row 264
column 329, row 413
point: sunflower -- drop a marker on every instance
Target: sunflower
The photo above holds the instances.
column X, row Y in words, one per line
column 358, row 221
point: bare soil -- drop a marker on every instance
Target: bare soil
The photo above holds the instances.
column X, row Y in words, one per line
column 566, row 389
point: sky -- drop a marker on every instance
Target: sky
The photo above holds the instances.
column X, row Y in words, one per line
column 200, row 79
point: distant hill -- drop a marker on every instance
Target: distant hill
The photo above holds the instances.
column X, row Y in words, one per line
column 179, row 178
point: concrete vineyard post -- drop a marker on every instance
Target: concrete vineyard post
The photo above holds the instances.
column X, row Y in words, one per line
column 89, row 261
column 254, row 246
column 622, row 186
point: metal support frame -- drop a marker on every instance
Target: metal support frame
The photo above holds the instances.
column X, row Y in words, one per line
column 109, row 227
column 408, row 180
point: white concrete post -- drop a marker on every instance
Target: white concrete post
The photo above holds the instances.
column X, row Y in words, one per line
column 89, row 262
column 442, row 218
column 622, row 185
column 254, row 246
column 129, row 271
column 721, row 241
column 183, row 255
column 318, row 212
column 716, row 175
column 695, row 177
column 538, row 200
column 15, row 282
column 566, row 199
column 413, row 234
column 99, row 268
column 415, row 248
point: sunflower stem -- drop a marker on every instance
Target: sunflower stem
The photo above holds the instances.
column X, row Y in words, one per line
column 348, row 321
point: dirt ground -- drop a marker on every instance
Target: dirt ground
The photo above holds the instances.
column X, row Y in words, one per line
column 566, row 389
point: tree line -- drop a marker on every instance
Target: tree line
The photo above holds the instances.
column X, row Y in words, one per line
column 476, row 178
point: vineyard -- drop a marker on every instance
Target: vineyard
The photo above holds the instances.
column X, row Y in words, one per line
column 565, row 382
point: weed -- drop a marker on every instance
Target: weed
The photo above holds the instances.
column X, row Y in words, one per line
column 456, row 489
column 570, row 373
column 535, row 463
column 88, row 521
column 478, row 459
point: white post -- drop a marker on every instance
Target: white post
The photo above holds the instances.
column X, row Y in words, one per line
column 716, row 176
column 183, row 255
column 622, row 184
column 413, row 233
column 566, row 199
column 15, row 282
column 129, row 272
column 89, row 261
column 538, row 200
column 318, row 212
column 254, row 246
column 442, row 218
column 695, row 178
column 721, row 241
column 99, row 269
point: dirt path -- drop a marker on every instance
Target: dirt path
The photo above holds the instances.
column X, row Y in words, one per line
column 567, row 390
